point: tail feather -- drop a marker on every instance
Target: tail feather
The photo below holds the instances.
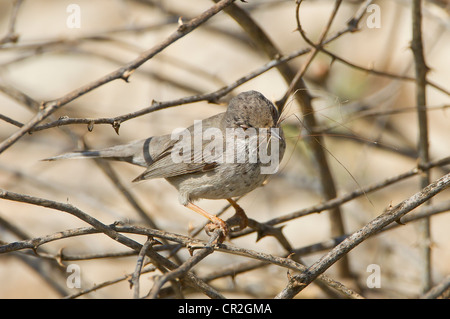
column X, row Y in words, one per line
column 135, row 153
column 75, row 155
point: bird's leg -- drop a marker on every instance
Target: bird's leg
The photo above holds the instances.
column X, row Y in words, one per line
column 216, row 220
column 240, row 214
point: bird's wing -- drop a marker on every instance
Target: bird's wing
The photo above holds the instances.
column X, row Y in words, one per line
column 169, row 163
column 165, row 166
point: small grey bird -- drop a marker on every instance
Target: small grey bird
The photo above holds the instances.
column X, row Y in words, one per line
column 224, row 156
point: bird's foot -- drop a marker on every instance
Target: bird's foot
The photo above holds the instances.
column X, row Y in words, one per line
column 218, row 223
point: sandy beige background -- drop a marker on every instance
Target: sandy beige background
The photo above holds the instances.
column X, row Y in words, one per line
column 212, row 56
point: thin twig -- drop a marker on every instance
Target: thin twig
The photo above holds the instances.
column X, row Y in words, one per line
column 105, row 284
column 316, row 142
column 134, row 281
column 186, row 266
column 438, row 290
column 423, row 147
column 11, row 35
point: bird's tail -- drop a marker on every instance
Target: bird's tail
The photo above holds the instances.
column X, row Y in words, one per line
column 134, row 153
column 77, row 155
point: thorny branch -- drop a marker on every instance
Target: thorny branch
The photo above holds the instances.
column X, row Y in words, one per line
column 423, row 141
column 299, row 282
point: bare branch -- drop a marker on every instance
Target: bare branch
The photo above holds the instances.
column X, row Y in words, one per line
column 423, row 143
column 299, row 282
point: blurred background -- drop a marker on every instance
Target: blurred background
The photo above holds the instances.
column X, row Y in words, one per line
column 369, row 123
